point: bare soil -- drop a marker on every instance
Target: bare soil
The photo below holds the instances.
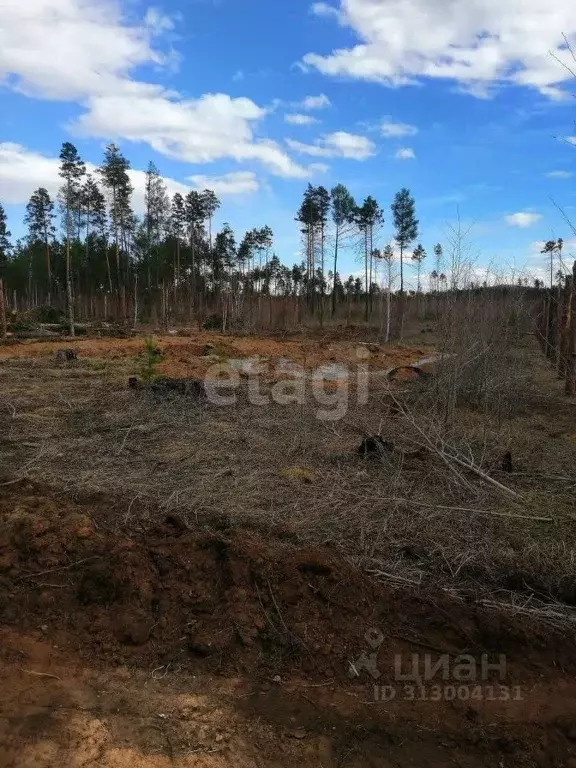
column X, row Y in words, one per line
column 192, row 354
column 177, row 648
column 183, row 585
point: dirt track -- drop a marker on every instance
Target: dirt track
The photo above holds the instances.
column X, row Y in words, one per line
column 168, row 647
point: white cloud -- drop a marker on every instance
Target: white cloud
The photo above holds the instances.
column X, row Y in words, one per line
column 300, row 119
column 323, row 9
column 196, row 131
column 66, row 49
column 570, row 139
column 22, row 171
column 316, row 102
column 522, row 219
column 339, row 144
column 559, row 175
column 405, row 153
column 236, row 183
column 477, row 43
column 79, row 50
column 393, row 130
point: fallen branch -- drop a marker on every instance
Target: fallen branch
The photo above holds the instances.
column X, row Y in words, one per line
column 481, row 511
column 39, row 674
column 57, row 570
column 477, row 471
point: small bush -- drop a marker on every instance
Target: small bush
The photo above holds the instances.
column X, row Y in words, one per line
column 150, row 359
column 48, row 314
column 212, row 323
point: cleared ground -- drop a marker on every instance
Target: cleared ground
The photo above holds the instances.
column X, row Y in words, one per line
column 195, row 582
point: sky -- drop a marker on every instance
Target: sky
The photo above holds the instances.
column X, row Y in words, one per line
column 468, row 103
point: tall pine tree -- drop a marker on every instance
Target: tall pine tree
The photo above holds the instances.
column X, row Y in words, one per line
column 39, row 220
column 72, row 169
column 114, row 172
column 406, row 225
column 368, row 216
column 343, row 216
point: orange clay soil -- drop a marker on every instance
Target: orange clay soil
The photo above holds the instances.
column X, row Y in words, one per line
column 192, row 355
column 171, row 647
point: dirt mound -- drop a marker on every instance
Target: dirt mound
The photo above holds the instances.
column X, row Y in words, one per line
column 168, row 646
column 228, row 600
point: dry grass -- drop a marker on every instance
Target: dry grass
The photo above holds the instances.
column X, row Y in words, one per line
column 279, row 469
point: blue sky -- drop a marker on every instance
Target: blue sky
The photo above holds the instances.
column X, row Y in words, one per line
column 460, row 100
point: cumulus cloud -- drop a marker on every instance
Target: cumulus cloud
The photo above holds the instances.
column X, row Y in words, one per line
column 391, row 130
column 236, row 183
column 559, row 175
column 522, row 219
column 66, row 50
column 298, row 119
column 196, row 131
column 405, row 153
column 476, row 43
column 316, row 102
column 339, row 144
column 78, row 50
column 22, row 171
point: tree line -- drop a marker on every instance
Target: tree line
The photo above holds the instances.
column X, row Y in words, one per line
column 87, row 254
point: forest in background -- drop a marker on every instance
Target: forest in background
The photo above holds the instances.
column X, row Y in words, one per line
column 86, row 255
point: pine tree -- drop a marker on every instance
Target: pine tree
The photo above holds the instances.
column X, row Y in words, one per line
column 72, row 169
column 210, row 204
column 39, row 221
column 195, row 218
column 438, row 253
column 177, row 228
column 95, row 221
column 322, row 197
column 343, row 216
column 550, row 248
column 309, row 216
column 388, row 258
column 406, row 225
column 418, row 256
column 114, row 172
column 368, row 216
column 4, row 250
column 155, row 220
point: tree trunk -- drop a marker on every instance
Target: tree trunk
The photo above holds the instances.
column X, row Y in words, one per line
column 571, row 352
column 558, row 326
column 388, row 302
column 322, row 276
column 136, row 300
column 546, row 326
column 335, row 271
column 402, row 301
column 3, row 323
column 564, row 327
column 366, row 273
column 69, row 299
column 49, row 268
